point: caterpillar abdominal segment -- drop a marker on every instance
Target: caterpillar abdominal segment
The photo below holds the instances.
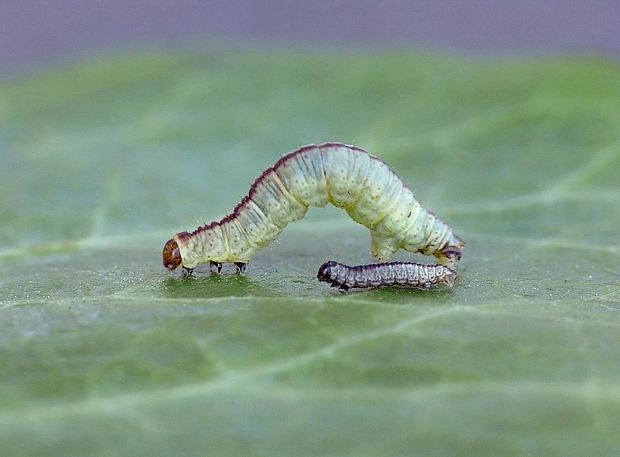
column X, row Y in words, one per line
column 407, row 274
column 314, row 175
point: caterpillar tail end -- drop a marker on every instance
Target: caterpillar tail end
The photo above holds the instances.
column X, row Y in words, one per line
column 449, row 256
column 451, row 252
column 449, row 278
column 171, row 255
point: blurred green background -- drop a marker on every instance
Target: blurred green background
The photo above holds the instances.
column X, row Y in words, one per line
column 103, row 352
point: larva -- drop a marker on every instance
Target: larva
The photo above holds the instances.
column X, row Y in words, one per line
column 407, row 274
column 348, row 177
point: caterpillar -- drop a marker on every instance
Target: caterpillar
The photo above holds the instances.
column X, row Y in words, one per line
column 408, row 274
column 346, row 176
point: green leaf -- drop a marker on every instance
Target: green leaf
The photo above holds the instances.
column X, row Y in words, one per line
column 103, row 352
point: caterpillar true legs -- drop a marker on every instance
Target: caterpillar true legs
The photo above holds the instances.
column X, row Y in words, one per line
column 345, row 176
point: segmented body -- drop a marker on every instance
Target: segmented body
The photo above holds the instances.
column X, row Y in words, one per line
column 314, row 175
column 407, row 274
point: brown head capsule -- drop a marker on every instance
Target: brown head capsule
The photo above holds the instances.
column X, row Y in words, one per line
column 171, row 255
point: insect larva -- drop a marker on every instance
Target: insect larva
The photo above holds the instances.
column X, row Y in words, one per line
column 345, row 176
column 406, row 274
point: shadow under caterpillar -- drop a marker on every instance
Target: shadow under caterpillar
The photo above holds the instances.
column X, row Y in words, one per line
column 406, row 274
column 346, row 176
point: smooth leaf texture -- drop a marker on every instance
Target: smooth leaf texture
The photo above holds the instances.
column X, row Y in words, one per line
column 103, row 352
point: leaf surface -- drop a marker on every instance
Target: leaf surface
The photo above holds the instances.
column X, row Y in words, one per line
column 103, row 352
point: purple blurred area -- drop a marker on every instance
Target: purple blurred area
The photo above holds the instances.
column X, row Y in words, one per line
column 35, row 31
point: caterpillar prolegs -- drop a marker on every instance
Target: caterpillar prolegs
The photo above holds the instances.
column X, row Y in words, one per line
column 346, row 176
column 406, row 274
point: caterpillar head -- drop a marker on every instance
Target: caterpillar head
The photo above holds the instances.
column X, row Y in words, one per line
column 326, row 271
column 171, row 255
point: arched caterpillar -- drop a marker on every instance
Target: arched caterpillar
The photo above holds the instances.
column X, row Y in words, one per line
column 409, row 274
column 314, row 175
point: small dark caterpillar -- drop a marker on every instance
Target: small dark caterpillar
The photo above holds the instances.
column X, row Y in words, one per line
column 406, row 274
column 345, row 176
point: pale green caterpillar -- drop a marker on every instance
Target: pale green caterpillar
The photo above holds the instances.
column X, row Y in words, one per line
column 345, row 176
